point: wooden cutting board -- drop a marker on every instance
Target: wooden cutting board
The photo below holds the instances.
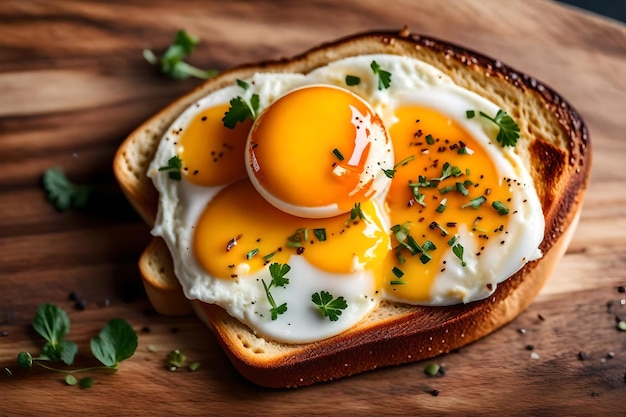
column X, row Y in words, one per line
column 73, row 84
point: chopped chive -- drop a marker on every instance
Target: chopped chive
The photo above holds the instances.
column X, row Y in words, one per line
column 432, row 369
column 447, row 189
column 400, row 231
column 442, row 206
column 352, row 80
column 397, row 272
column 425, row 258
column 475, row 202
column 470, row 114
column 429, row 139
column 467, row 171
column 293, row 244
column 397, row 282
column 461, row 188
column 269, row 256
column 468, row 183
column 253, row 252
column 428, row 246
column 338, row 154
column 452, row 241
column 500, row 208
column 399, row 257
column 320, row 234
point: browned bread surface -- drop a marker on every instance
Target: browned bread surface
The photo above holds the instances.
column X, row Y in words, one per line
column 554, row 145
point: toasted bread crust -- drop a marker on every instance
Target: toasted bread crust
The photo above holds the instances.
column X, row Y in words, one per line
column 554, row 145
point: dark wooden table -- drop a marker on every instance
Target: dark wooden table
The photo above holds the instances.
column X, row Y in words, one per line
column 73, row 84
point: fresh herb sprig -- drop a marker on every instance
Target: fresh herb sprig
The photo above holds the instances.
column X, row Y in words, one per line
column 173, row 168
column 384, row 77
column 277, row 272
column 328, row 305
column 62, row 193
column 116, row 342
column 509, row 131
column 172, row 64
column 240, row 110
column 390, row 173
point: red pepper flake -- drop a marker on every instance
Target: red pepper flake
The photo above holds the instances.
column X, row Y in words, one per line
column 300, row 250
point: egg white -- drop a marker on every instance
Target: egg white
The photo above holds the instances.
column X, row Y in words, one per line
column 413, row 81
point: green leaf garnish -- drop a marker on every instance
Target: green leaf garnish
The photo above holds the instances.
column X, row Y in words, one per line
column 500, row 208
column 448, row 171
column 172, row 64
column 243, row 84
column 458, row 251
column 352, row 80
column 475, row 202
column 470, row 114
column 239, row 111
column 86, row 382
column 62, row 193
column 320, row 234
column 330, row 307
column 53, row 324
column 71, row 379
column 384, row 77
column 509, row 130
column 116, row 342
column 391, row 172
column 277, row 272
column 356, row 213
column 173, row 168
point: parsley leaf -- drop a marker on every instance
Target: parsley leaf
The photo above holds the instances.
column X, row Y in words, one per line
column 277, row 272
column 239, row 111
column 116, row 342
column 173, row 167
column 352, row 80
column 330, row 307
column 384, row 77
column 509, row 130
column 62, row 193
column 458, row 251
column 172, row 64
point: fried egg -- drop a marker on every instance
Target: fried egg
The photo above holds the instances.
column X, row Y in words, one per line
column 337, row 196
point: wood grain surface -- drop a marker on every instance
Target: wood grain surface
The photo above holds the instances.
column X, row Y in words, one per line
column 73, row 84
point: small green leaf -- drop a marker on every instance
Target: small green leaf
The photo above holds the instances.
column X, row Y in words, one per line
column 238, row 111
column 70, row 379
column 509, row 131
column 116, row 342
column 68, row 352
column 62, row 193
column 329, row 307
column 384, row 77
column 193, row 366
column 86, row 382
column 352, row 80
column 172, row 64
column 52, row 323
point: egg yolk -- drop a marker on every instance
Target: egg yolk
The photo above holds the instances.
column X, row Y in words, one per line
column 210, row 152
column 232, row 240
column 448, row 182
column 310, row 149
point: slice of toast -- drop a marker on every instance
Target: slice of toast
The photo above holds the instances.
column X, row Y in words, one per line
column 554, row 145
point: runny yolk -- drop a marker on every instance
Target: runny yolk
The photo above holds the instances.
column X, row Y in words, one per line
column 309, row 148
column 211, row 153
column 239, row 232
column 438, row 143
